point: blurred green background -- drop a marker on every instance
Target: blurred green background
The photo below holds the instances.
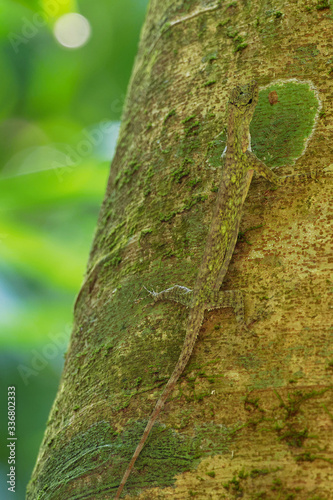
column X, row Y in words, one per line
column 59, row 120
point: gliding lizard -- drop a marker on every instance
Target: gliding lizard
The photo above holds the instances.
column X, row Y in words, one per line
column 237, row 173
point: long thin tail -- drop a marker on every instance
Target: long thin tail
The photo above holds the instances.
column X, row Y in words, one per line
column 147, row 430
column 187, row 349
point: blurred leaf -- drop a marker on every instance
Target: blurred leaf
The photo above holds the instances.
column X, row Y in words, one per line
column 50, row 9
column 72, row 183
column 9, row 88
column 30, row 4
column 33, row 252
column 57, row 9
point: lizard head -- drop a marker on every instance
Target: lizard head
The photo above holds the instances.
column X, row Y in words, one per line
column 242, row 102
column 244, row 97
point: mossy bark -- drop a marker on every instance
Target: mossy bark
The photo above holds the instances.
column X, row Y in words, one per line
column 253, row 415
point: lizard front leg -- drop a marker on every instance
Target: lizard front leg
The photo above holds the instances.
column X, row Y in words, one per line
column 258, row 166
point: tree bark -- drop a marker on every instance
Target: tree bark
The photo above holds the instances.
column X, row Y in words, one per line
column 252, row 416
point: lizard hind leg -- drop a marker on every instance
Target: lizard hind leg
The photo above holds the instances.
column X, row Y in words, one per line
column 229, row 298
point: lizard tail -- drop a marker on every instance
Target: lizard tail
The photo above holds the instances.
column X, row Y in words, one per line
column 143, row 439
column 190, row 339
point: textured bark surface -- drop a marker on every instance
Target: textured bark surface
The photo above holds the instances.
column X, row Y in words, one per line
column 252, row 416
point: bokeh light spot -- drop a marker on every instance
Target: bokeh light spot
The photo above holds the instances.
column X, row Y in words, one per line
column 72, row 30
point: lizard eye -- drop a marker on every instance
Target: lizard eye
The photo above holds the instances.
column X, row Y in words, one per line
column 250, row 101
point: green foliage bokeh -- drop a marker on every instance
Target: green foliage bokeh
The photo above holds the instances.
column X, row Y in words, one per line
column 59, row 119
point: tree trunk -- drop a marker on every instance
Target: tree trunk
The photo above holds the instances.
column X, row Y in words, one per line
column 252, row 416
